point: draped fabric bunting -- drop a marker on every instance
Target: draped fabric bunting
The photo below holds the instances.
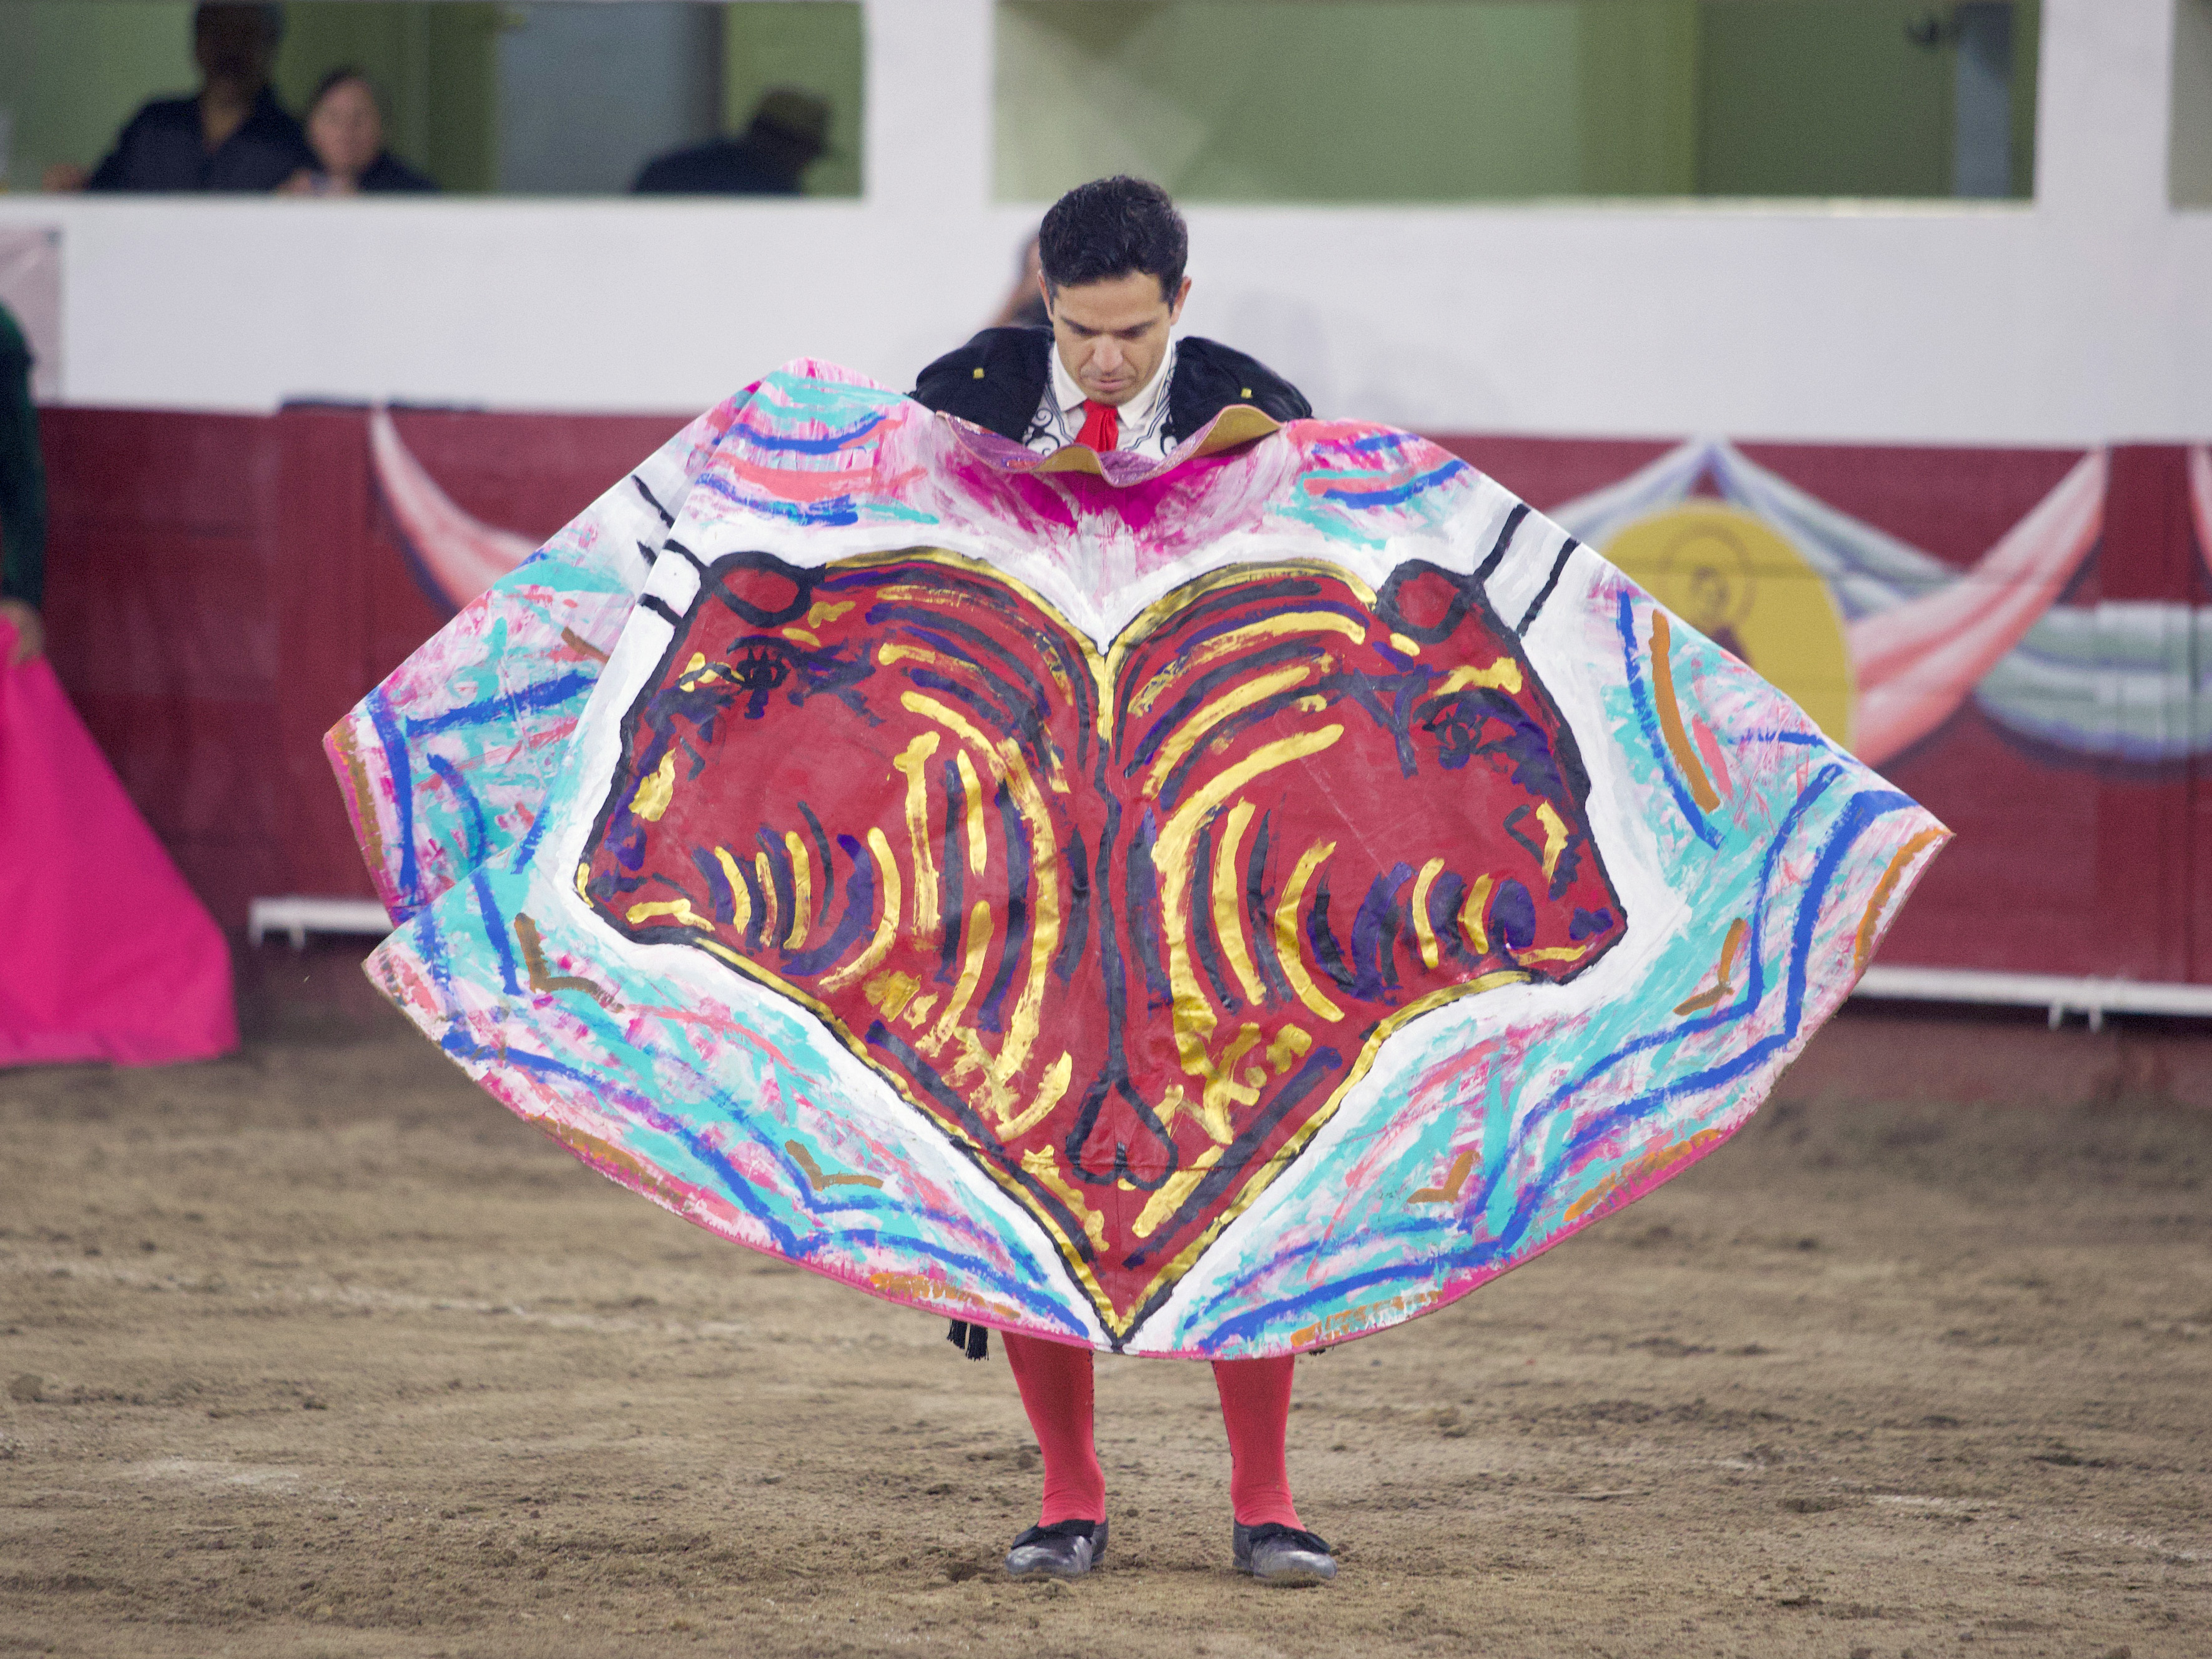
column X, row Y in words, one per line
column 1216, row 906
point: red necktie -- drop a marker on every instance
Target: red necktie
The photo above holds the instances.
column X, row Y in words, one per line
column 1102, row 426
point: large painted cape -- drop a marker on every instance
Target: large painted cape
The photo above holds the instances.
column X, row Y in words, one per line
column 1216, row 906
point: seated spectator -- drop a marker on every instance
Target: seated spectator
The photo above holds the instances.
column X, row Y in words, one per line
column 789, row 131
column 1025, row 306
column 345, row 128
column 233, row 135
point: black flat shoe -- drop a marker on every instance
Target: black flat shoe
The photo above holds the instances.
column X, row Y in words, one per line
column 1066, row 1549
column 1277, row 1554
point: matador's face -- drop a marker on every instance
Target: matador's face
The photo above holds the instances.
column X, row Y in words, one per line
column 1112, row 335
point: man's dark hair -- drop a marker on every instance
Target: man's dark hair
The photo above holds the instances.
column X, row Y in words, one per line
column 270, row 15
column 336, row 78
column 1112, row 227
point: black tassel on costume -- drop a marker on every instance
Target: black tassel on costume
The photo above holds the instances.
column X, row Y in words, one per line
column 974, row 1340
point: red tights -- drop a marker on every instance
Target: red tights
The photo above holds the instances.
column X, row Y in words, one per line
column 1054, row 1380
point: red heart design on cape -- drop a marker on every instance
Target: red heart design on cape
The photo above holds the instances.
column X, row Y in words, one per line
column 1126, row 927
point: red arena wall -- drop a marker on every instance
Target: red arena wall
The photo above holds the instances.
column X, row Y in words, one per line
column 221, row 588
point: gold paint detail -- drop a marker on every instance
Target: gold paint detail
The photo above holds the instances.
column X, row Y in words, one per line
column 887, row 879
column 1211, row 1110
column 1404, row 645
column 1290, row 1046
column 1213, row 1106
column 1043, row 1163
column 816, row 1180
column 802, row 888
column 1503, row 675
column 1287, row 932
column 577, row 642
column 1013, row 774
column 1238, row 641
column 1228, row 904
column 1670, row 715
column 1862, row 947
column 1645, row 1172
column 1173, row 1191
column 920, row 1287
column 889, row 994
column 963, row 988
column 1106, row 670
column 765, row 872
column 802, row 636
column 1236, row 424
column 913, row 764
column 1173, row 1104
column 656, row 791
column 1454, row 1183
column 826, row 611
column 1258, row 1182
column 1554, row 953
column 1073, row 458
column 1556, row 835
column 1191, row 1011
column 620, row 1165
column 543, row 979
column 1051, row 1087
column 1022, row 1026
column 890, row 651
column 677, row 909
column 1324, row 1334
column 343, row 739
column 1424, row 931
column 1204, row 719
column 1474, row 914
column 979, row 844
column 1723, row 974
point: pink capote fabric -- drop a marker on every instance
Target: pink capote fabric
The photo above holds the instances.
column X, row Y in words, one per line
column 105, row 954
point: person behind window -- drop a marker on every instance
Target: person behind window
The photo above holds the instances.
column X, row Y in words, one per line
column 789, row 131
column 1025, row 306
column 22, row 503
column 232, row 136
column 345, row 128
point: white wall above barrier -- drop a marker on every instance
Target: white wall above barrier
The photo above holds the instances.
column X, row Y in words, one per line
column 2077, row 318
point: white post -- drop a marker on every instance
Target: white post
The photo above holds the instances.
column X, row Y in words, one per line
column 2104, row 97
column 929, row 169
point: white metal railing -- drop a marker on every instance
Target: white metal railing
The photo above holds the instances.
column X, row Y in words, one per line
column 2060, row 994
column 301, row 914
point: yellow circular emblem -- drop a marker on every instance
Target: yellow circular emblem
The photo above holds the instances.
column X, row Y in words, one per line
column 1738, row 581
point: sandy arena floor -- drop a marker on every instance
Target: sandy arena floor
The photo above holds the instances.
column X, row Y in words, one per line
column 316, row 1351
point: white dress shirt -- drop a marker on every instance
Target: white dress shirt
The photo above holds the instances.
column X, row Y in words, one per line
column 1143, row 418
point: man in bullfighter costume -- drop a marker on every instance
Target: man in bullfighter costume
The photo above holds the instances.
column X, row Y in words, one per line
column 1109, row 374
